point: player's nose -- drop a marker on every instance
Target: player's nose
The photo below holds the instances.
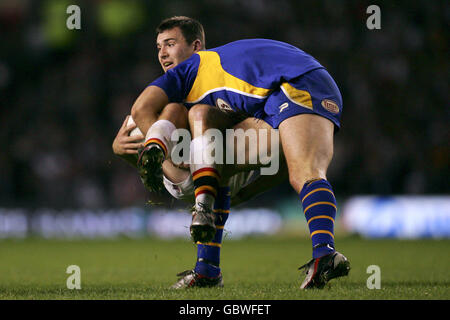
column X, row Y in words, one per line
column 163, row 53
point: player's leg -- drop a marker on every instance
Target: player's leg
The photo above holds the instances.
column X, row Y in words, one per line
column 158, row 144
column 307, row 129
column 308, row 146
column 209, row 252
column 209, row 175
column 207, row 271
column 172, row 117
column 205, row 171
column 244, row 185
column 307, row 141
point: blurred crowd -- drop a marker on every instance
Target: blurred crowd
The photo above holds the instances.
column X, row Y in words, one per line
column 64, row 93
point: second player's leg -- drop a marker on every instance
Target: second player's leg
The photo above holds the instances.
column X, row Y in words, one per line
column 158, row 144
column 205, row 171
column 209, row 175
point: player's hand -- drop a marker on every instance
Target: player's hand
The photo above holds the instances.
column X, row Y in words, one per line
column 125, row 144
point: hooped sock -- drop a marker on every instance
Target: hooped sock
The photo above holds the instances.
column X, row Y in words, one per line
column 208, row 254
column 319, row 207
column 204, row 172
column 160, row 134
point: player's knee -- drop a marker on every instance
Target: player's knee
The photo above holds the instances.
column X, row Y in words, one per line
column 176, row 113
column 199, row 112
column 140, row 111
column 175, row 108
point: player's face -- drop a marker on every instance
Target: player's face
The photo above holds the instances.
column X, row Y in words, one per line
column 173, row 48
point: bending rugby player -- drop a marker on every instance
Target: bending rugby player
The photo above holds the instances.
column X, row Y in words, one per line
column 173, row 35
column 265, row 79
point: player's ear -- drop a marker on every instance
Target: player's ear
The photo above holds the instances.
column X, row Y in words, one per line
column 197, row 45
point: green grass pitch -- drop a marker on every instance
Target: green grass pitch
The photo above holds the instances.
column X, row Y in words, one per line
column 253, row 268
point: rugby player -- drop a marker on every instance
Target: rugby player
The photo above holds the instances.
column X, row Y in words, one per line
column 269, row 80
column 174, row 48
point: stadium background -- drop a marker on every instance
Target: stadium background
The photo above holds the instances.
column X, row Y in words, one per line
column 64, row 94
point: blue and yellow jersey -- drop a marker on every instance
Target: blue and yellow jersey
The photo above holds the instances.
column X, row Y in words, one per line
column 240, row 75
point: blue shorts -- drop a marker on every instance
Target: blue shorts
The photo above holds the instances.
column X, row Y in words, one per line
column 314, row 92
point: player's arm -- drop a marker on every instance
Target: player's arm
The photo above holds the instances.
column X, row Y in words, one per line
column 148, row 106
column 126, row 146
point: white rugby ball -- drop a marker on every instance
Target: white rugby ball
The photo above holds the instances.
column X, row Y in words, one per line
column 136, row 131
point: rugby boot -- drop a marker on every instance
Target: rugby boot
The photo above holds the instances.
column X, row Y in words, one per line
column 149, row 165
column 321, row 270
column 203, row 228
column 190, row 279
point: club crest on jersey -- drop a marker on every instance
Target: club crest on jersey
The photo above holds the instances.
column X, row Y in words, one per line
column 222, row 105
column 330, row 105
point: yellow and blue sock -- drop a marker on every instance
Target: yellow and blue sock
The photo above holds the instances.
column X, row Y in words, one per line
column 208, row 254
column 319, row 207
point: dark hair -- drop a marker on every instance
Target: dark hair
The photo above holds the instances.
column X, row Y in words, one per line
column 190, row 28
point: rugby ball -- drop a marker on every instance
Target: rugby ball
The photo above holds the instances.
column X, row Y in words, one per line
column 136, row 131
